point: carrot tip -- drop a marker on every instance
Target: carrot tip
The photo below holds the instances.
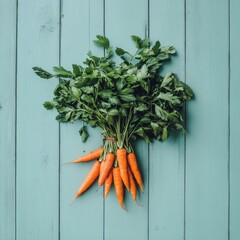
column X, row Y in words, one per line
column 123, row 207
column 67, row 162
column 142, row 188
column 73, row 200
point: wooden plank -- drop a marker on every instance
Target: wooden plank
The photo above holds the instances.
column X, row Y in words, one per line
column 166, row 174
column 207, row 139
column 123, row 19
column 37, row 130
column 7, row 118
column 234, row 121
column 81, row 22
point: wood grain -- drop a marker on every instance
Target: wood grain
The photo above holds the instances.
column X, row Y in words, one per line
column 37, row 130
column 207, row 139
column 234, row 230
column 7, row 118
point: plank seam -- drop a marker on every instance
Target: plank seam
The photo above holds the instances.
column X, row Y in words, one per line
column 104, row 34
column 148, row 148
column 15, row 143
column 59, row 125
column 185, row 123
column 229, row 116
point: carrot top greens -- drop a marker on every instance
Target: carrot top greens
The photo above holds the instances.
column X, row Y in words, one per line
column 128, row 100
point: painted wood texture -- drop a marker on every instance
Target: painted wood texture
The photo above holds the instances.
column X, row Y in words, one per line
column 191, row 183
column 7, row 118
column 207, row 120
column 37, row 132
column 234, row 154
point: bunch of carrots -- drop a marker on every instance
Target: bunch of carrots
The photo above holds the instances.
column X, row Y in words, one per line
column 112, row 165
column 129, row 100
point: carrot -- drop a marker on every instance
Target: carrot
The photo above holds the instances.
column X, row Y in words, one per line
column 106, row 169
column 92, row 175
column 90, row 156
column 118, row 185
column 122, row 162
column 132, row 161
column 133, row 189
column 108, row 184
column 102, row 167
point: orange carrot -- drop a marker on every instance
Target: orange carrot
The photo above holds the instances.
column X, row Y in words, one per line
column 92, row 175
column 106, row 169
column 133, row 189
column 118, row 185
column 122, row 163
column 90, row 156
column 108, row 184
column 102, row 167
column 132, row 161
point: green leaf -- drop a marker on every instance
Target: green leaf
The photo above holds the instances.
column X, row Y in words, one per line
column 76, row 92
column 87, row 98
column 113, row 112
column 161, row 113
column 62, row 72
column 143, row 72
column 114, row 100
column 169, row 97
column 84, row 134
column 120, row 51
column 77, row 70
column 156, row 47
column 88, row 89
column 106, row 93
column 145, row 43
column 156, row 129
column 42, row 73
column 128, row 98
column 167, row 79
column 102, row 41
column 168, row 49
column 141, row 107
column 126, row 91
column 68, row 116
column 164, row 134
column 137, row 41
column 49, row 105
column 120, row 84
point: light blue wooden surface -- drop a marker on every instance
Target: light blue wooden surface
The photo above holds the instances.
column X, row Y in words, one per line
column 207, row 120
column 166, row 175
column 234, row 121
column 192, row 190
column 37, row 132
column 7, row 118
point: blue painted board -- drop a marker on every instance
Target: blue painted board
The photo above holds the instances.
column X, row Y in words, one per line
column 207, row 115
column 234, row 121
column 37, row 130
column 166, row 173
column 81, row 22
column 7, row 118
